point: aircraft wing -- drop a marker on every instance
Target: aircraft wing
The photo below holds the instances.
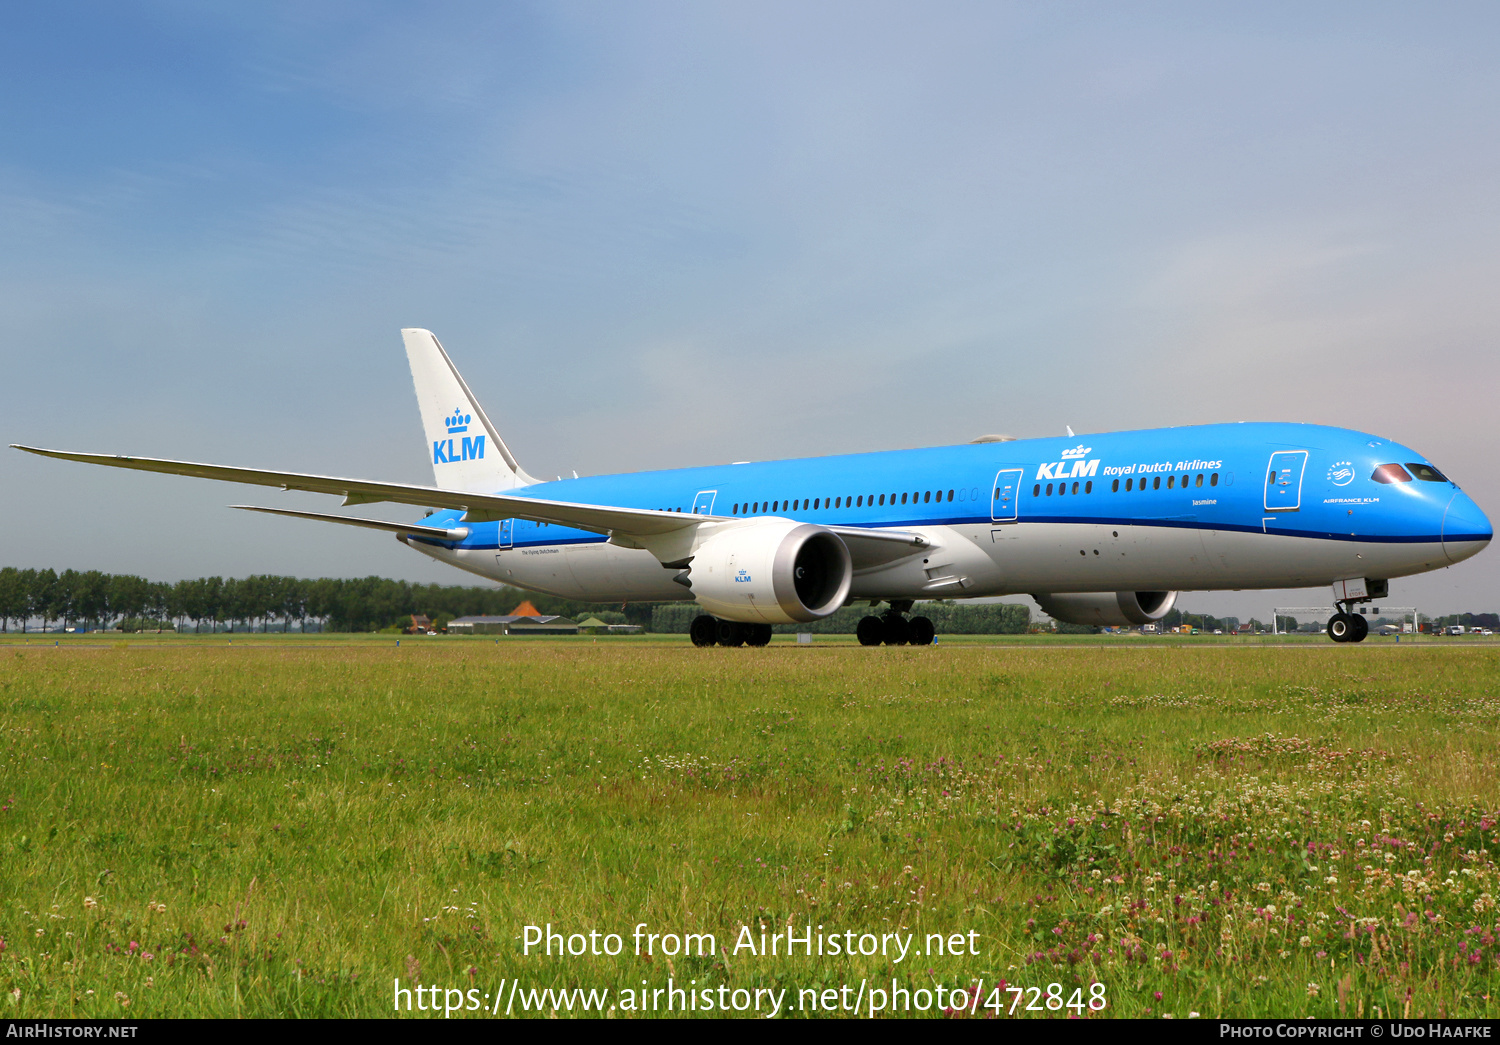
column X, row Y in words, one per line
column 867, row 547
column 481, row 507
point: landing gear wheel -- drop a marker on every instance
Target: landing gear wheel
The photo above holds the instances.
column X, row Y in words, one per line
column 757, row 634
column 731, row 633
column 897, row 631
column 704, row 630
column 1361, row 628
column 1340, row 627
column 870, row 632
column 922, row 631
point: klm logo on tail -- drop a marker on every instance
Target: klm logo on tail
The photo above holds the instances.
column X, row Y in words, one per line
column 470, row 448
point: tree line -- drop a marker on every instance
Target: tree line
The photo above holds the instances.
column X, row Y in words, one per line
column 94, row 600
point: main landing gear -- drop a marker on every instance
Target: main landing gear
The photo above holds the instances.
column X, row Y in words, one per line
column 1347, row 627
column 711, row 631
column 893, row 629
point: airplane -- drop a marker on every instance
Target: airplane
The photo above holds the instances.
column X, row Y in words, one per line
column 1102, row 529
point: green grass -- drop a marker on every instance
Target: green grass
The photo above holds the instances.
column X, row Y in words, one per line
column 287, row 825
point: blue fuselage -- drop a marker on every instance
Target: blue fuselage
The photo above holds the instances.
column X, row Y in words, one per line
column 1289, row 480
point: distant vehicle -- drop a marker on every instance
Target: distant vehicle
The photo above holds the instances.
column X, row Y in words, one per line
column 1455, row 629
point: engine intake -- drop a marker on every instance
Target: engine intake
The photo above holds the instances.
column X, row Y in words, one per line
column 1108, row 608
column 772, row 571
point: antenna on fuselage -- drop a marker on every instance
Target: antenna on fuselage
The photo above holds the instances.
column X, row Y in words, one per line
column 1070, row 430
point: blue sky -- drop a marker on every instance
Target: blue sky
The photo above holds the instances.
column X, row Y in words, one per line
column 667, row 234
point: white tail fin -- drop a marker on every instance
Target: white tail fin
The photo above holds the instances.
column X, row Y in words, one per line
column 467, row 453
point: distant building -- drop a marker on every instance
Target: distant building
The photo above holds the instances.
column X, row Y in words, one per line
column 513, row 624
column 594, row 624
column 421, row 624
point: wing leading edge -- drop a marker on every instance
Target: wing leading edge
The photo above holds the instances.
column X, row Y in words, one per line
column 480, row 507
column 870, row 547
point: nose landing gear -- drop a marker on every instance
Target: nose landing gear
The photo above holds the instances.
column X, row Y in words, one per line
column 1348, row 627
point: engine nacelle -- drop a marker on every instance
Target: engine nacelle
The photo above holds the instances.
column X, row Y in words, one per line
column 1108, row 608
column 774, row 571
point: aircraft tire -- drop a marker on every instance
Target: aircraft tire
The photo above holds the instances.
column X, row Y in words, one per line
column 922, row 631
column 704, row 630
column 1340, row 628
column 870, row 632
column 757, row 634
column 1361, row 628
column 897, row 630
column 731, row 633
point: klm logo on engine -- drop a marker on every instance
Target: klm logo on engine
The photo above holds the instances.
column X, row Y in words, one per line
column 469, row 448
column 742, row 577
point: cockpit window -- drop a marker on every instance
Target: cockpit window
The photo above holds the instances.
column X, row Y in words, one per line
column 1391, row 473
column 1427, row 473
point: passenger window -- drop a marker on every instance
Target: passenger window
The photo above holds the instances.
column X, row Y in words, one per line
column 1170, row 480
column 1088, row 487
column 1049, row 489
column 1062, row 489
column 1036, row 491
column 1075, row 489
column 860, row 503
column 903, row 498
column 1213, row 480
column 1198, row 481
column 1387, row 473
column 1271, row 477
column 1426, row 473
column 1114, row 487
column 1129, row 484
column 882, row 498
column 927, row 499
column 1156, row 483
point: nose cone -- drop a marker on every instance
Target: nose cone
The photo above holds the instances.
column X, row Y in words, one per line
column 1466, row 530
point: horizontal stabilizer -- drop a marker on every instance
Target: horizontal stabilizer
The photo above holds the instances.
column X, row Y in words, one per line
column 436, row 533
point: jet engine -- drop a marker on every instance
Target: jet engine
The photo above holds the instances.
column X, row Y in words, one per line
column 1108, row 608
column 772, row 571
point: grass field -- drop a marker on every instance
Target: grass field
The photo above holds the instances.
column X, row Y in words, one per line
column 289, row 826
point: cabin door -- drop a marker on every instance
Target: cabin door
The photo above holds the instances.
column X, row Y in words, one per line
column 507, row 534
column 1284, row 480
column 1007, row 492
